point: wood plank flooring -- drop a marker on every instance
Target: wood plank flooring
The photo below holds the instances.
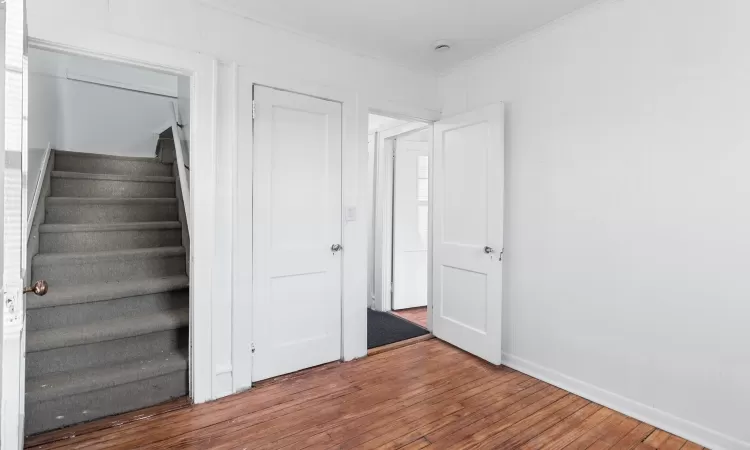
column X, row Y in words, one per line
column 427, row 395
column 415, row 315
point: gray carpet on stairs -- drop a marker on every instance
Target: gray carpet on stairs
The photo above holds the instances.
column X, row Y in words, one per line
column 111, row 335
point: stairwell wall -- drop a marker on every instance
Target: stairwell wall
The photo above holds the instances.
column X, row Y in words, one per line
column 249, row 52
column 86, row 105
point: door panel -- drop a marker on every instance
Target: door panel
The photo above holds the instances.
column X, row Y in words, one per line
column 468, row 231
column 296, row 220
column 410, row 224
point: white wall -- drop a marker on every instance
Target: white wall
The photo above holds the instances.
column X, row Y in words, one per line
column 45, row 92
column 250, row 52
column 626, row 273
column 87, row 105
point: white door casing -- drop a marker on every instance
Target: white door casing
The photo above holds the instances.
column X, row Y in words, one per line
column 296, row 221
column 468, row 231
column 410, row 224
column 15, row 161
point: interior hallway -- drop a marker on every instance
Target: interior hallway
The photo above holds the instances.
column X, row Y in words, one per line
column 425, row 395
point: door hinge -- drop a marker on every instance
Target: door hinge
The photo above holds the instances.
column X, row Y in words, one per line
column 253, row 109
column 252, row 347
column 391, row 287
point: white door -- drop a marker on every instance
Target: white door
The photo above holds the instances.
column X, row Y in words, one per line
column 15, row 161
column 468, row 231
column 296, row 232
column 410, row 224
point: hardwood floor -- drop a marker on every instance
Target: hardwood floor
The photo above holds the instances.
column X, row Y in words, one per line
column 426, row 395
column 415, row 315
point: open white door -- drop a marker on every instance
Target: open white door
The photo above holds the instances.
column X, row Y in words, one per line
column 468, row 231
column 410, row 224
column 15, row 160
column 296, row 232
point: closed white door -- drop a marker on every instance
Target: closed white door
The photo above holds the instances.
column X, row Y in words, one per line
column 296, row 232
column 468, row 231
column 410, row 224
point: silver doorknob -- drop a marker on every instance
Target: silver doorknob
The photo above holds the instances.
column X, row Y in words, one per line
column 489, row 250
column 336, row 248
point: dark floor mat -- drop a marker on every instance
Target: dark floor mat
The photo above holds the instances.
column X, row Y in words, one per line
column 385, row 328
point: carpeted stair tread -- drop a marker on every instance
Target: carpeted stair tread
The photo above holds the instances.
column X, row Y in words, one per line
column 113, row 177
column 61, row 384
column 112, row 333
column 117, row 226
column 128, row 201
column 107, row 330
column 111, row 255
column 89, row 293
column 146, row 159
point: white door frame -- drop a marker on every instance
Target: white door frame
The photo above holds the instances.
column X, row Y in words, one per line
column 342, row 209
column 202, row 70
column 14, row 148
column 384, row 188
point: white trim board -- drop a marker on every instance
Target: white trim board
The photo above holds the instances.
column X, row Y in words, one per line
column 680, row 427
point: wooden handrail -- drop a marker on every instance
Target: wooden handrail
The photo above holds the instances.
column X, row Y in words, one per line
column 184, row 182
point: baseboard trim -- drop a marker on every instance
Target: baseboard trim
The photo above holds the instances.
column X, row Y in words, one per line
column 660, row 419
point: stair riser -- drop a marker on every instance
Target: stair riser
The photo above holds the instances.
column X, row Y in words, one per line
column 109, row 270
column 99, row 241
column 104, row 353
column 91, row 164
column 43, row 416
column 105, row 213
column 75, row 187
column 71, row 315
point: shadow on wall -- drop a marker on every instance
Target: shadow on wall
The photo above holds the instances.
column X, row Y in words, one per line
column 87, row 105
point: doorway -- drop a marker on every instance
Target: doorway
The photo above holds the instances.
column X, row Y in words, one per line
column 410, row 220
column 108, row 235
column 400, row 234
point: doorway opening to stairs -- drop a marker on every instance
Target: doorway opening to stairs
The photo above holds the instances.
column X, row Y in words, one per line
column 400, row 235
column 109, row 233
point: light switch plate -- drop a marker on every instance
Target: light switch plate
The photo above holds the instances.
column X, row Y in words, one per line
column 350, row 213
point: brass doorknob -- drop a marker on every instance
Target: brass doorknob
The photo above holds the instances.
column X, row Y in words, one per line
column 39, row 288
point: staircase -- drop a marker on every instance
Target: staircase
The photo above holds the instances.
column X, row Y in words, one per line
column 112, row 333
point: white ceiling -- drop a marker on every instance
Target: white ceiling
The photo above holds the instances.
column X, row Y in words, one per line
column 404, row 31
